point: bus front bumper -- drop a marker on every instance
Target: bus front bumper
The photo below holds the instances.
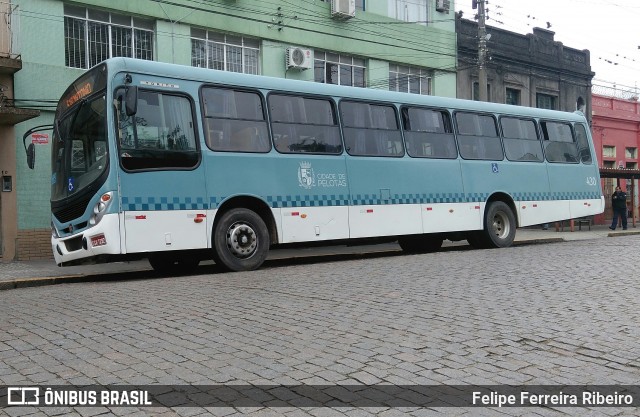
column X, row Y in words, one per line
column 101, row 239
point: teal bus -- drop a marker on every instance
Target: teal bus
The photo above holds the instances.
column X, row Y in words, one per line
column 178, row 164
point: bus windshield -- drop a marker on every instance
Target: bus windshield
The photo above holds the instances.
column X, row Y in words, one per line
column 79, row 151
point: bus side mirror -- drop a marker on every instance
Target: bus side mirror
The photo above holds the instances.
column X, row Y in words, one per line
column 131, row 100
column 31, row 156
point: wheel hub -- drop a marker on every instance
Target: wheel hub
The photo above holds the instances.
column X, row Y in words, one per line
column 241, row 240
column 501, row 225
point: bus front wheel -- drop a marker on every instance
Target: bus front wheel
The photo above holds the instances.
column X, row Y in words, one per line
column 240, row 240
column 499, row 227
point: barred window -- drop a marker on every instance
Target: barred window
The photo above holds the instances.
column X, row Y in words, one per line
column 409, row 10
column 338, row 69
column 546, row 101
column 224, row 52
column 409, row 79
column 91, row 36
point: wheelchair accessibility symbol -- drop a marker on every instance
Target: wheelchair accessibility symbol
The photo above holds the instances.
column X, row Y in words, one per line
column 494, row 168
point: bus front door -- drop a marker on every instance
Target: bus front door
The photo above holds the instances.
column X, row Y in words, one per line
column 162, row 184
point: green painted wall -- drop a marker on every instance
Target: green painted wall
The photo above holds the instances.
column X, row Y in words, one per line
column 43, row 77
column 279, row 23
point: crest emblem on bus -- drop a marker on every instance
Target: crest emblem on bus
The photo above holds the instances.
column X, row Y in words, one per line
column 306, row 179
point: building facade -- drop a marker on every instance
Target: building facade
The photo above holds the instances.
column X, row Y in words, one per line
column 616, row 136
column 11, row 114
column 530, row 70
column 388, row 44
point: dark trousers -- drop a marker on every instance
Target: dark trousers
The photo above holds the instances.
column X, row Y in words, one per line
column 622, row 213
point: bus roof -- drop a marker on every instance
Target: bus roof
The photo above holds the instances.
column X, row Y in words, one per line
column 175, row 71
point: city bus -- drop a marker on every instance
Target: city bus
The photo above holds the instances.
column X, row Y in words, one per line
column 179, row 164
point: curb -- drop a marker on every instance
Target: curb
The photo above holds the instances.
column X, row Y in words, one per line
column 40, row 281
column 539, row 241
column 70, row 279
column 624, row 233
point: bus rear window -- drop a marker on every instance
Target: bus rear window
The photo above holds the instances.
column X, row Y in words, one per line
column 583, row 144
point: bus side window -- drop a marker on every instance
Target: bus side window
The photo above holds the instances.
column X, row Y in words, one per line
column 160, row 135
column 583, row 144
column 478, row 137
column 371, row 129
column 428, row 133
column 521, row 141
column 304, row 125
column 559, row 144
column 235, row 121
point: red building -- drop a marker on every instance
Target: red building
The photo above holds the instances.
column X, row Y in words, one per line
column 616, row 135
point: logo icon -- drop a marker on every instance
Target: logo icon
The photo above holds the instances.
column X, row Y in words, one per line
column 306, row 178
column 494, row 168
column 23, row 396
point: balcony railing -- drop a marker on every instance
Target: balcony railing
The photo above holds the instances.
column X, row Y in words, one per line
column 9, row 30
column 616, row 91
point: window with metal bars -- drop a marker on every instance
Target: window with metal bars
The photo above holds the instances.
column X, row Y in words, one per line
column 224, row 52
column 409, row 79
column 91, row 36
column 331, row 68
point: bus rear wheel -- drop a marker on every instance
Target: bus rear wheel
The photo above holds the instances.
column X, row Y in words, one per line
column 240, row 240
column 420, row 243
column 499, row 227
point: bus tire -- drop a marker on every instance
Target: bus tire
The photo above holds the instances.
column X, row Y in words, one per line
column 499, row 227
column 420, row 243
column 240, row 240
column 168, row 264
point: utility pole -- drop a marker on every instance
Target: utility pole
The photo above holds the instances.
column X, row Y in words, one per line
column 482, row 52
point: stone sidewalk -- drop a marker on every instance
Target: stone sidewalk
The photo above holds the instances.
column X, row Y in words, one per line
column 45, row 272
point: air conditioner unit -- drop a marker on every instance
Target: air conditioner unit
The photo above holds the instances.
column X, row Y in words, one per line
column 443, row 6
column 343, row 9
column 299, row 58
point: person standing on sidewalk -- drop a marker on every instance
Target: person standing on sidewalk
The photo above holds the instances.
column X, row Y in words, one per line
column 619, row 204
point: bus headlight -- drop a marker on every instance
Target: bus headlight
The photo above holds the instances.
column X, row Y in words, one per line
column 100, row 208
column 54, row 231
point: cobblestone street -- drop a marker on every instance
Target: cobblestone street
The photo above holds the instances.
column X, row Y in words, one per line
column 560, row 314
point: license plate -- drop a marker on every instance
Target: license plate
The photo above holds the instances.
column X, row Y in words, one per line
column 98, row 240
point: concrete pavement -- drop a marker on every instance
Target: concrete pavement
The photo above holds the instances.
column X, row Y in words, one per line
column 45, row 272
